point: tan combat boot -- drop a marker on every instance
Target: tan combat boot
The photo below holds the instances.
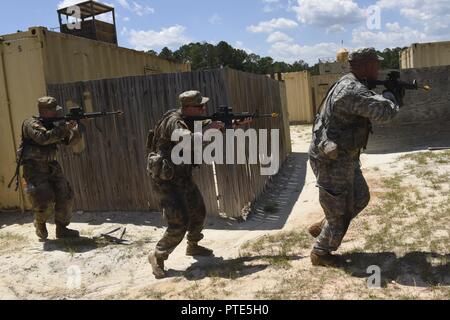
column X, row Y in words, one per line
column 316, row 229
column 193, row 249
column 63, row 232
column 41, row 230
column 324, row 260
column 157, row 266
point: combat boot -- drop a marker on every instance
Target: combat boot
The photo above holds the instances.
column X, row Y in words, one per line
column 316, row 229
column 157, row 266
column 41, row 230
column 193, row 249
column 324, row 260
column 63, row 232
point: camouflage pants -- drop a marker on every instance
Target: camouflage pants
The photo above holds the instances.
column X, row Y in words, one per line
column 184, row 211
column 49, row 191
column 343, row 194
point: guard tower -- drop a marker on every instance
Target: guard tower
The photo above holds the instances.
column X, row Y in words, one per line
column 81, row 20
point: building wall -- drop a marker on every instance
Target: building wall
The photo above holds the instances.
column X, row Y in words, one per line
column 305, row 93
column 422, row 55
column 299, row 98
column 22, row 82
column 320, row 85
column 69, row 59
column 333, row 68
column 31, row 60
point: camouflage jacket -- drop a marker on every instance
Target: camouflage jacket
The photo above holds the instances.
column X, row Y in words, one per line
column 343, row 126
column 162, row 145
column 40, row 143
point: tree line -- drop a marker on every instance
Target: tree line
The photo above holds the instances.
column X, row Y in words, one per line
column 203, row 56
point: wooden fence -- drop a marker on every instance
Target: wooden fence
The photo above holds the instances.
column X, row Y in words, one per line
column 110, row 175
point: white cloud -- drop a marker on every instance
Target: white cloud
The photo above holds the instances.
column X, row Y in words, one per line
column 336, row 28
column 289, row 52
column 215, row 19
column 67, row 3
column 140, row 10
column 270, row 26
column 126, row 19
column 171, row 37
column 271, row 5
column 324, row 13
column 432, row 16
column 278, row 36
column 394, row 36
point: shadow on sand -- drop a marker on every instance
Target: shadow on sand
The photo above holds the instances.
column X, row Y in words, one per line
column 418, row 269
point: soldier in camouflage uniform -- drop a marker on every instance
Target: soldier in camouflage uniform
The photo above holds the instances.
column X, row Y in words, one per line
column 180, row 199
column 46, row 186
column 340, row 132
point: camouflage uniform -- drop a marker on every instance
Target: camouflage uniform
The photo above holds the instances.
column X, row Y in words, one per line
column 340, row 132
column 46, row 185
column 180, row 199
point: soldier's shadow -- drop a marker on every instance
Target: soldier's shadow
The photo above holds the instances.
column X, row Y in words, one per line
column 418, row 269
column 77, row 245
column 218, row 267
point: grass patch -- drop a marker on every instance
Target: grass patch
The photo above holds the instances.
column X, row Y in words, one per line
column 11, row 237
column 9, row 241
column 278, row 249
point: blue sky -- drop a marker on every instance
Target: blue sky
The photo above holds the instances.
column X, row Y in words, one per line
column 287, row 30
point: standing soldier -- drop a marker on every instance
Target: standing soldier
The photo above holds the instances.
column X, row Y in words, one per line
column 46, row 185
column 180, row 199
column 340, row 132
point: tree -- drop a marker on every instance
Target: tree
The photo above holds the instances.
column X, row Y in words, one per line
column 265, row 65
column 167, row 54
column 391, row 58
column 204, row 55
column 299, row 65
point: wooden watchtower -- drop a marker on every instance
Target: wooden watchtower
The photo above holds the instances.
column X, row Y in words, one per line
column 81, row 20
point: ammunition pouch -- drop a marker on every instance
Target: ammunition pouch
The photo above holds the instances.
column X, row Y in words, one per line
column 329, row 149
column 159, row 167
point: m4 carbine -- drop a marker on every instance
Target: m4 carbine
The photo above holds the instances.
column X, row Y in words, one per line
column 77, row 114
column 393, row 82
column 397, row 86
column 227, row 116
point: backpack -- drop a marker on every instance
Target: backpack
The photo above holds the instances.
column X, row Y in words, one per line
column 157, row 166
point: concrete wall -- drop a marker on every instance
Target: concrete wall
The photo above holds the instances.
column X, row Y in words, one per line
column 424, row 121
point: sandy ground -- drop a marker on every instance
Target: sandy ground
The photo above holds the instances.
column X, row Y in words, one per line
column 265, row 257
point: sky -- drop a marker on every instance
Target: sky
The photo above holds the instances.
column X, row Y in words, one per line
column 287, row 30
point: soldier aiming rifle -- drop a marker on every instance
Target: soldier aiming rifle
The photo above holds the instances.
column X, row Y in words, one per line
column 48, row 189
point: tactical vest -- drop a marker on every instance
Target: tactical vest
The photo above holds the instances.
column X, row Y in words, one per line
column 159, row 148
column 339, row 134
column 154, row 143
column 30, row 150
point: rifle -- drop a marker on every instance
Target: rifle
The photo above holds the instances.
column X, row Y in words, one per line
column 397, row 86
column 393, row 82
column 75, row 114
column 227, row 116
